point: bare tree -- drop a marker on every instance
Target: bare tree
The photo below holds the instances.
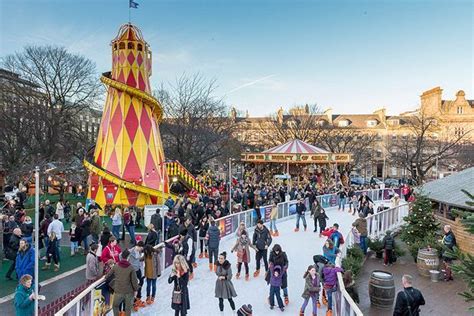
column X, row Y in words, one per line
column 347, row 140
column 196, row 128
column 427, row 145
column 42, row 104
column 298, row 123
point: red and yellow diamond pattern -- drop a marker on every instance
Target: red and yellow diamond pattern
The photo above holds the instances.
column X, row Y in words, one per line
column 129, row 145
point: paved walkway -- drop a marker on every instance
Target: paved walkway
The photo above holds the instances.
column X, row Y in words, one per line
column 441, row 298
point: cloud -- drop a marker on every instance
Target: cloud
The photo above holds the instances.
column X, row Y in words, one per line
column 251, row 83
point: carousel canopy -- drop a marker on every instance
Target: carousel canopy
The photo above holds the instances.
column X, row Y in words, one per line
column 295, row 146
column 296, row 151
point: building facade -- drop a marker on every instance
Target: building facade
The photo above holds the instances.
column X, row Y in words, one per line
column 454, row 117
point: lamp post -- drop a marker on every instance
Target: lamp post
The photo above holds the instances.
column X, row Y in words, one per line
column 37, row 181
column 230, row 185
column 437, row 170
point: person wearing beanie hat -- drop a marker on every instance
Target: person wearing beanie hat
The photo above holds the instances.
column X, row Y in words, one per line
column 245, row 310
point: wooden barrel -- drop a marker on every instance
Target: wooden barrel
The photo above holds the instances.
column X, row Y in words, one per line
column 427, row 260
column 381, row 289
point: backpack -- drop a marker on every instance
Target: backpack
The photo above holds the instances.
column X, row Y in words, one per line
column 341, row 239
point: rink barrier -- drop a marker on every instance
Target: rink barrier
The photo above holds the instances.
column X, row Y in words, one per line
column 377, row 225
column 90, row 302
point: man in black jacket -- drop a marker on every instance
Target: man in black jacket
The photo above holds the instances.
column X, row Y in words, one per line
column 12, row 250
column 157, row 222
column 409, row 300
column 300, row 210
column 389, row 248
column 261, row 240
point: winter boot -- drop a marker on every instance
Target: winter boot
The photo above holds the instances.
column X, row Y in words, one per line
column 256, row 273
column 211, row 266
column 148, row 300
column 200, row 255
column 329, row 312
column 318, row 304
column 122, row 313
column 46, row 266
column 237, row 276
column 136, row 306
column 191, row 276
column 56, row 267
column 271, row 233
column 247, row 277
column 206, row 255
column 194, row 265
column 324, row 299
column 301, row 312
column 277, row 234
column 282, row 309
column 305, row 228
column 287, row 300
column 296, row 229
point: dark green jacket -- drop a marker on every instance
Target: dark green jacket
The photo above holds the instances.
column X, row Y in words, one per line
column 23, row 305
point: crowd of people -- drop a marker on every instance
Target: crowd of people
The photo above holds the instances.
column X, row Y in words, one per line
column 192, row 224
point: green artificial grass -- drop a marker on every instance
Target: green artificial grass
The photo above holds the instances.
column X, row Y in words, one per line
column 67, row 263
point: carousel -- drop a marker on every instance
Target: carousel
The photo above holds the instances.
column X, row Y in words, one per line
column 294, row 161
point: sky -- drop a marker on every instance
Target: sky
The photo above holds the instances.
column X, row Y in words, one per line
column 351, row 56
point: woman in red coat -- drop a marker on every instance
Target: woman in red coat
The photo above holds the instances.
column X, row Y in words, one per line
column 111, row 251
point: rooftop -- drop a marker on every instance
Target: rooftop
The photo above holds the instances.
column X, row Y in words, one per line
column 448, row 190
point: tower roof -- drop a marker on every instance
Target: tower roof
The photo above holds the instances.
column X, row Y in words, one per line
column 129, row 32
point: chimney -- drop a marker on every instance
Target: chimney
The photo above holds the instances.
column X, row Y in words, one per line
column 328, row 114
column 381, row 115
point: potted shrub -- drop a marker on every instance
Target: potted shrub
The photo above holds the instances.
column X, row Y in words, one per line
column 376, row 245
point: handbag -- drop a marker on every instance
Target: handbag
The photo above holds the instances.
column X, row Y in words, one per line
column 176, row 297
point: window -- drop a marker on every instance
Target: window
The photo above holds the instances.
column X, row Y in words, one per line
column 140, row 47
column 379, row 153
column 458, row 131
column 371, row 123
column 115, row 46
column 404, row 136
column 394, row 137
column 121, row 45
column 131, row 46
column 459, row 110
column 393, row 122
column 343, row 123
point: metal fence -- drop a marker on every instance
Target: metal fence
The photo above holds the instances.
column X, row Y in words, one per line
column 91, row 302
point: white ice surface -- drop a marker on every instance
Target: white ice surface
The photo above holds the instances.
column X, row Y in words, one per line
column 300, row 248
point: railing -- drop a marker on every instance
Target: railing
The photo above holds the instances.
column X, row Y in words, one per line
column 89, row 302
column 377, row 225
column 175, row 168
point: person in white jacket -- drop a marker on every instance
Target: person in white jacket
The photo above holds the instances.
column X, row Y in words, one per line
column 60, row 210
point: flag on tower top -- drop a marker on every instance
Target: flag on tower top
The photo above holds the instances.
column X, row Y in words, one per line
column 133, row 4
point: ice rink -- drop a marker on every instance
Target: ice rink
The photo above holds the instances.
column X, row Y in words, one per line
column 300, row 248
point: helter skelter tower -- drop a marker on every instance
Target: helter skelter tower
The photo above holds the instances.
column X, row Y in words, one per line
column 128, row 164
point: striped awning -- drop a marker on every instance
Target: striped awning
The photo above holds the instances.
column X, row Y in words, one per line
column 295, row 146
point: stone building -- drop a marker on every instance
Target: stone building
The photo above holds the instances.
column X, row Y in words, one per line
column 454, row 117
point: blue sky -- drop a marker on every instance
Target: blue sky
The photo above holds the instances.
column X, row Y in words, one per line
column 352, row 56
